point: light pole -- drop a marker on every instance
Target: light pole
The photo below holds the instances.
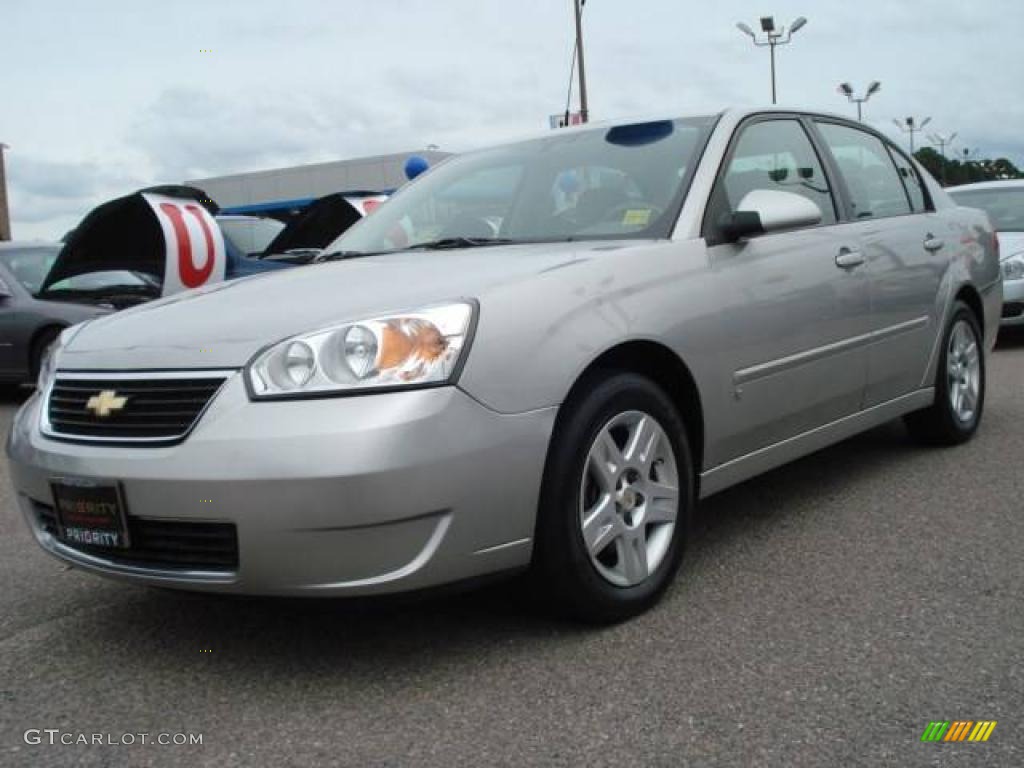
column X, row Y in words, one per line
column 772, row 37
column 578, row 7
column 847, row 90
column 942, row 142
column 5, row 216
column 909, row 125
column 969, row 156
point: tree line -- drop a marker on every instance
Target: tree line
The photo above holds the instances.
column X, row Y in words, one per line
column 951, row 171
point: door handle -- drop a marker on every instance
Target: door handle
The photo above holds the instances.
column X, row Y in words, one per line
column 933, row 243
column 848, row 259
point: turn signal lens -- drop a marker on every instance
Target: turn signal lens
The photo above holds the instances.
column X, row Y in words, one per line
column 410, row 349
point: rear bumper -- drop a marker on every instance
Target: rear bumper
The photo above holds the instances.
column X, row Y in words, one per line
column 358, row 495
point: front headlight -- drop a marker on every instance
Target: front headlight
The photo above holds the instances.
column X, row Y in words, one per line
column 48, row 362
column 405, row 349
column 1013, row 267
column 47, row 366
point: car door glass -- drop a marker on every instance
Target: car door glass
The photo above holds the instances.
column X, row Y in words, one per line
column 876, row 190
column 911, row 181
column 776, row 155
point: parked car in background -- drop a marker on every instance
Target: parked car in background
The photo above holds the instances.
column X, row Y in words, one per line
column 29, row 323
column 320, row 223
column 168, row 234
column 1003, row 201
column 579, row 336
column 249, row 234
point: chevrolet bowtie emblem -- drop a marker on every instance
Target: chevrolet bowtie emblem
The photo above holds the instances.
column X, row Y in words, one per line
column 105, row 403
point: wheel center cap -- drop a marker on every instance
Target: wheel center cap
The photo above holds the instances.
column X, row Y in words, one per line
column 627, row 499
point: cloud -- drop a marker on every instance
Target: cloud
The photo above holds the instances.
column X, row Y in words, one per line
column 340, row 80
column 46, row 190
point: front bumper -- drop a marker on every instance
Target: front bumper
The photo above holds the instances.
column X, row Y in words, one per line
column 356, row 495
column 1013, row 304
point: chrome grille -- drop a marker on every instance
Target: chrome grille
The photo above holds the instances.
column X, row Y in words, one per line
column 149, row 409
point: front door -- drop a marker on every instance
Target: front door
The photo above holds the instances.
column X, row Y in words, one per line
column 795, row 322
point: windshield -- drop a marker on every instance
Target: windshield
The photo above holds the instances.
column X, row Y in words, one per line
column 1004, row 206
column 250, row 235
column 29, row 265
column 626, row 181
column 98, row 281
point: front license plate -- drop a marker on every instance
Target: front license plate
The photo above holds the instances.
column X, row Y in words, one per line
column 90, row 513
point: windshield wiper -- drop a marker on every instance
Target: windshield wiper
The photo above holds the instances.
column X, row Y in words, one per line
column 445, row 243
column 462, row 242
column 339, row 255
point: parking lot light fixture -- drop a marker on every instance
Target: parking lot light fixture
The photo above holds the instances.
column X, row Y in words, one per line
column 847, row 90
column 911, row 126
column 772, row 37
column 942, row 142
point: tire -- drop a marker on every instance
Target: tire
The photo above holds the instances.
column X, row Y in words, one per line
column 41, row 343
column 960, row 374
column 637, row 530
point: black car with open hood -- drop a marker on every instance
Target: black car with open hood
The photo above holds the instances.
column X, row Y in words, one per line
column 154, row 242
column 319, row 224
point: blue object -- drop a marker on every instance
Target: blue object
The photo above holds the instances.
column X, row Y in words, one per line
column 414, row 166
column 240, row 265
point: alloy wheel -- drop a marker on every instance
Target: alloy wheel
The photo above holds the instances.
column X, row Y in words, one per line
column 963, row 371
column 629, row 498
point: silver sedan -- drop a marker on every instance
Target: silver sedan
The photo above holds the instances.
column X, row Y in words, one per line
column 538, row 356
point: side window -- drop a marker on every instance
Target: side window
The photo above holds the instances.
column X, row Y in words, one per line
column 775, row 155
column 911, row 181
column 876, row 190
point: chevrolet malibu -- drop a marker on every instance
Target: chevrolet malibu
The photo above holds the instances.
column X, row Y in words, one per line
column 535, row 356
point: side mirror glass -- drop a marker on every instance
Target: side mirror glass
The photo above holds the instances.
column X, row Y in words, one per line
column 768, row 210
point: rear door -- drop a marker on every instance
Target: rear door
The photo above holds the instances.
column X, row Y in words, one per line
column 793, row 322
column 905, row 251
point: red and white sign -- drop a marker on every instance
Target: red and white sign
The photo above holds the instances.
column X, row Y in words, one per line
column 194, row 246
column 365, row 205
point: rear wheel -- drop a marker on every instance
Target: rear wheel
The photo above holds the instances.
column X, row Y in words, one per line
column 959, row 385
column 616, row 501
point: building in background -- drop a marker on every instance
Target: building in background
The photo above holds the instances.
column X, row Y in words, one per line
column 280, row 188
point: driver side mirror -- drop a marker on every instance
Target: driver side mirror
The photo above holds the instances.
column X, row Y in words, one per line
column 767, row 210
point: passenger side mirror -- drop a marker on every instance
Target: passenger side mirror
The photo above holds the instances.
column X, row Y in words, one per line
column 768, row 210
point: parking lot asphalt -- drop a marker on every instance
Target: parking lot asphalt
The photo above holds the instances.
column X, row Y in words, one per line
column 826, row 613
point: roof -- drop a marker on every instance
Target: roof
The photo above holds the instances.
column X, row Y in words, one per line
column 980, row 185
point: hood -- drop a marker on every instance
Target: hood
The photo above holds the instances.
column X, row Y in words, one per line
column 326, row 218
column 124, row 234
column 224, row 325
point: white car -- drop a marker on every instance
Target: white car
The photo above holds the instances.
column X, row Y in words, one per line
column 1003, row 201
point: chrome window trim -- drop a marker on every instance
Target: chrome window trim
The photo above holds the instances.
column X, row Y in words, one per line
column 78, row 375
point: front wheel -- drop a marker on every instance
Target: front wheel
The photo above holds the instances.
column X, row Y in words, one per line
column 616, row 500
column 959, row 385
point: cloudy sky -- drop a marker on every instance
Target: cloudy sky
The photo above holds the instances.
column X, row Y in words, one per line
column 103, row 97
